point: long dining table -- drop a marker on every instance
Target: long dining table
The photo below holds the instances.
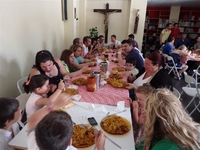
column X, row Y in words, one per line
column 94, row 104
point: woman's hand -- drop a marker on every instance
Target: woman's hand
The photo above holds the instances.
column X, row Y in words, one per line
column 130, row 86
column 100, row 140
column 85, row 68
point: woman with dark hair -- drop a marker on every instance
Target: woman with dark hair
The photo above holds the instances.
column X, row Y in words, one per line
column 152, row 73
column 67, row 58
column 46, row 64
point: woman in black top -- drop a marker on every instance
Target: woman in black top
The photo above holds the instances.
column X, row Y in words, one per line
column 46, row 64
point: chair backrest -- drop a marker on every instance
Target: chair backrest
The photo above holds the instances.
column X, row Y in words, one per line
column 176, row 92
column 189, row 79
column 22, row 104
column 20, row 85
column 22, row 100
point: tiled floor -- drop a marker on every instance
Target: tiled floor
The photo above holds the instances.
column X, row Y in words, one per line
column 185, row 99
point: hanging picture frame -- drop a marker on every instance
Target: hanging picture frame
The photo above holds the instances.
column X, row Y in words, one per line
column 136, row 22
column 64, row 10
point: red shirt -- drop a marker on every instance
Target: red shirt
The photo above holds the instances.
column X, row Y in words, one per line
column 175, row 33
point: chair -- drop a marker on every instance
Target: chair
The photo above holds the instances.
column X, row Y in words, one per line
column 191, row 91
column 172, row 65
column 176, row 93
column 22, row 104
column 20, row 85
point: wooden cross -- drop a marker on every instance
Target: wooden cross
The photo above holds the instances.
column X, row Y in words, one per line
column 107, row 12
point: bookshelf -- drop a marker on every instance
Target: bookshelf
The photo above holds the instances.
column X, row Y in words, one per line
column 155, row 22
column 189, row 21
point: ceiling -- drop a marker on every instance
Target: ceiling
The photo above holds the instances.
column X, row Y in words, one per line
column 185, row 3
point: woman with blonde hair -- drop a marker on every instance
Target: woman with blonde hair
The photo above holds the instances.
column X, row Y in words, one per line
column 79, row 62
column 167, row 125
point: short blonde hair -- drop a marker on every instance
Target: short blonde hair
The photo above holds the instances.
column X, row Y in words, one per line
column 166, row 118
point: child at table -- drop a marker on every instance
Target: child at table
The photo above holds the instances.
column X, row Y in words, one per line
column 138, row 118
column 39, row 86
column 57, row 133
column 10, row 114
column 130, row 67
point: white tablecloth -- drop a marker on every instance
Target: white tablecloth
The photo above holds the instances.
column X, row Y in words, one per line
column 79, row 113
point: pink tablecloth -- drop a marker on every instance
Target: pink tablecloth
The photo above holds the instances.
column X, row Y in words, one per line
column 104, row 95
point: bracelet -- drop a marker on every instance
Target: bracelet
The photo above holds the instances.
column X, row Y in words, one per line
column 119, row 53
column 49, row 106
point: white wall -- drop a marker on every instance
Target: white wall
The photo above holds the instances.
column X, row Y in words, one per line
column 25, row 28
column 120, row 24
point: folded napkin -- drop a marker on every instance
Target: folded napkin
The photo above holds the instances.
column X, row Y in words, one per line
column 76, row 97
column 120, row 106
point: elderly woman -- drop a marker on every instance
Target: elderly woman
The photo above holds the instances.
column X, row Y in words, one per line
column 46, row 64
column 152, row 73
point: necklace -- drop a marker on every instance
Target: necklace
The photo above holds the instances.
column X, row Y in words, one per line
column 50, row 74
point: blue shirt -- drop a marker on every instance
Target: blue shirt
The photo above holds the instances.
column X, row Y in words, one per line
column 139, row 60
column 179, row 42
column 78, row 60
column 167, row 49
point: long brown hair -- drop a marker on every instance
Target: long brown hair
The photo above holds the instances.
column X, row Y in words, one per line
column 65, row 57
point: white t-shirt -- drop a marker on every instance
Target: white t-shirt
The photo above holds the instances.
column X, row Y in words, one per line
column 85, row 49
column 6, row 137
column 32, row 145
column 30, row 105
column 140, row 81
column 117, row 43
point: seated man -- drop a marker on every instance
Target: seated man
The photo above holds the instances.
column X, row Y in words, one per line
column 182, row 41
column 114, row 43
column 168, row 47
column 101, row 40
column 130, row 52
column 86, row 43
column 132, row 37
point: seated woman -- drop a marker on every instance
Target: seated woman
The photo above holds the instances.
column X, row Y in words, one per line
column 168, row 126
column 80, row 62
column 67, row 58
column 46, row 64
column 152, row 73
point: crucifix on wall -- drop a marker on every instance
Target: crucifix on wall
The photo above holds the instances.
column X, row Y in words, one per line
column 106, row 12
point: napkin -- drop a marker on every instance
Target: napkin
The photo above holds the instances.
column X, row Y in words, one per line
column 76, row 97
column 107, row 74
column 102, row 82
column 100, row 109
column 120, row 106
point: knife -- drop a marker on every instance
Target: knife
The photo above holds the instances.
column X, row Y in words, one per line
column 113, row 142
column 117, row 112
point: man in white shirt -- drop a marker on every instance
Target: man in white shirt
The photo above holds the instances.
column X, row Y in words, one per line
column 86, row 44
column 114, row 42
